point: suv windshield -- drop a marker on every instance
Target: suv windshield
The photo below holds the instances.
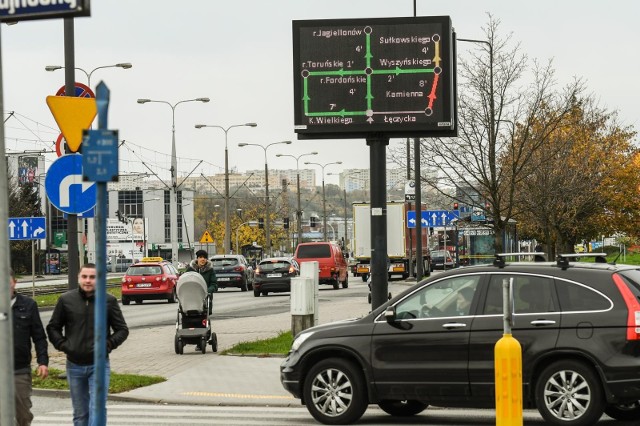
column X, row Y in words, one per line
column 314, row 251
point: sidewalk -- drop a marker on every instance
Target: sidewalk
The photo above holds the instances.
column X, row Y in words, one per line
column 212, row 379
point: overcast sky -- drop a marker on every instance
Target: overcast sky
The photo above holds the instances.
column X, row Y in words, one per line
column 239, row 54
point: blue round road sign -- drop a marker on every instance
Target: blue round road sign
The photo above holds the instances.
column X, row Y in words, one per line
column 65, row 187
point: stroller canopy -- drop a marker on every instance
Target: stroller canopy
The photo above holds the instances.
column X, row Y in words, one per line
column 192, row 291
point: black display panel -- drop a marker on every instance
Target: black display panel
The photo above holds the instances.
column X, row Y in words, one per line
column 354, row 78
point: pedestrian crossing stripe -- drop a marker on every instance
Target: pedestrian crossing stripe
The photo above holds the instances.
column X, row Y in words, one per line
column 206, row 237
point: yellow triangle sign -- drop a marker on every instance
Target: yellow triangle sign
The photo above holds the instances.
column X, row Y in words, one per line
column 73, row 115
column 206, row 237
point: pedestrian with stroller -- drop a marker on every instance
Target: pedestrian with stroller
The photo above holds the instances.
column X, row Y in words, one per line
column 27, row 327
column 71, row 330
column 202, row 265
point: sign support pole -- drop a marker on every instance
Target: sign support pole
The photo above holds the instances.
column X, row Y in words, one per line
column 379, row 268
column 70, row 90
column 7, row 393
column 100, row 323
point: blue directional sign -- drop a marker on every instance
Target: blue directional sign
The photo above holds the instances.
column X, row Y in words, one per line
column 42, row 9
column 100, row 155
column 432, row 217
column 27, row 228
column 65, row 188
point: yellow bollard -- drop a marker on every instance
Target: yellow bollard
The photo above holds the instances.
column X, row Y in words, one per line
column 508, row 367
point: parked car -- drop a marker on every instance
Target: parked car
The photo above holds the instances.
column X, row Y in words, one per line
column 151, row 279
column 578, row 325
column 233, row 270
column 122, row 264
column 273, row 275
column 331, row 262
column 441, row 259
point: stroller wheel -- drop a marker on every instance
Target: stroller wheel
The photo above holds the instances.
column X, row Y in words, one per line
column 214, row 342
column 179, row 345
column 203, row 345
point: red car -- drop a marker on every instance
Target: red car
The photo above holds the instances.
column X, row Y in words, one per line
column 153, row 279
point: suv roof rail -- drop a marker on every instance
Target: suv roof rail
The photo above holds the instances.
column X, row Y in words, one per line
column 563, row 259
column 500, row 257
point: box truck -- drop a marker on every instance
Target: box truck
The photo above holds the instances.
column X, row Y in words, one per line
column 401, row 241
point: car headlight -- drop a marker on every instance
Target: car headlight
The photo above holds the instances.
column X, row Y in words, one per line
column 300, row 340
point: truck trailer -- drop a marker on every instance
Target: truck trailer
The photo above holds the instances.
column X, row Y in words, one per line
column 401, row 241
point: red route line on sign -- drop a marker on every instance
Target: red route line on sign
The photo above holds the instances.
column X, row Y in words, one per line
column 432, row 95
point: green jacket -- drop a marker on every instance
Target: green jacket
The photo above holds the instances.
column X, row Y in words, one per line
column 207, row 273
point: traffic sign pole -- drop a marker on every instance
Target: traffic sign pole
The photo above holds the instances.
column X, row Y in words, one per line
column 100, row 165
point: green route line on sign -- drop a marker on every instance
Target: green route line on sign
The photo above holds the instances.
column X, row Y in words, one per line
column 339, row 72
column 341, row 113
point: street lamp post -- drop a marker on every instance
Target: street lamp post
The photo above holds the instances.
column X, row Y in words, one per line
column 173, row 199
column 324, row 200
column 227, row 218
column 124, row 65
column 299, row 209
column 267, row 221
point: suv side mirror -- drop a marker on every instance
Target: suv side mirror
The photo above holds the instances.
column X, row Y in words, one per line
column 390, row 314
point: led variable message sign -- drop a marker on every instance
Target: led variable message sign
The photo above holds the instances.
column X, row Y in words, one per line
column 354, row 78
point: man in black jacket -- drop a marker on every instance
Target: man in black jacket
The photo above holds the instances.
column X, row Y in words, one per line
column 74, row 313
column 27, row 326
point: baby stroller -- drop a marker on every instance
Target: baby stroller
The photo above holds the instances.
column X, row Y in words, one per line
column 193, row 326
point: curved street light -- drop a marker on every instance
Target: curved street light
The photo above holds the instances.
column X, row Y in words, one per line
column 123, row 65
column 267, row 221
column 299, row 209
column 173, row 199
column 324, row 200
column 227, row 218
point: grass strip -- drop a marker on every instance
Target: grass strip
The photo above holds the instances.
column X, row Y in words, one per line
column 278, row 345
column 117, row 384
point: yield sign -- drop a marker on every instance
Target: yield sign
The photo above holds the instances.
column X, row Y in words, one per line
column 73, row 115
column 206, row 237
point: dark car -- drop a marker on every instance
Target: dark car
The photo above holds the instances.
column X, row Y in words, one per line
column 233, row 270
column 441, row 259
column 273, row 275
column 578, row 325
column 151, row 279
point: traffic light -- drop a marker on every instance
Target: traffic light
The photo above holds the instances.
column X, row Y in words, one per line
column 122, row 218
column 261, row 222
column 285, row 223
column 455, row 206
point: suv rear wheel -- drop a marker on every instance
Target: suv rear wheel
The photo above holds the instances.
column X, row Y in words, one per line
column 334, row 392
column 569, row 393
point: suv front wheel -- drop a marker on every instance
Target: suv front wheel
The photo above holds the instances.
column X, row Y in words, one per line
column 569, row 393
column 334, row 392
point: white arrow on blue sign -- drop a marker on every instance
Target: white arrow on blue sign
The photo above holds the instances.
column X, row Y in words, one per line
column 432, row 217
column 65, row 187
column 27, row 228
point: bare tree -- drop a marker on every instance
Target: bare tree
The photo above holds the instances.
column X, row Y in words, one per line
column 499, row 116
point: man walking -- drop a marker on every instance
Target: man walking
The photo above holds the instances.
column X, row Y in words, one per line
column 27, row 327
column 71, row 330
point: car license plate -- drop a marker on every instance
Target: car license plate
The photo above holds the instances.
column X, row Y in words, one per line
column 143, row 285
column 224, row 279
column 274, row 275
